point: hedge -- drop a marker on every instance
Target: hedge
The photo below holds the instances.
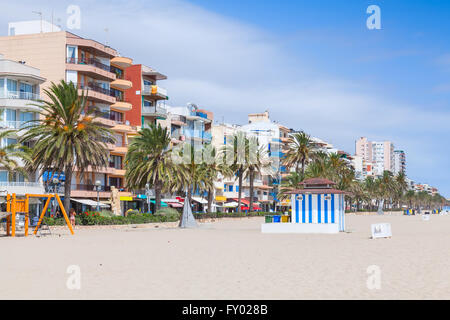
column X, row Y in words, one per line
column 97, row 219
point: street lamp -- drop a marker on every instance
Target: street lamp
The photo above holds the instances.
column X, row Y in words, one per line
column 55, row 182
column 147, row 194
column 98, row 185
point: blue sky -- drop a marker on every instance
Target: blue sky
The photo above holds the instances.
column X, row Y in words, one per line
column 313, row 64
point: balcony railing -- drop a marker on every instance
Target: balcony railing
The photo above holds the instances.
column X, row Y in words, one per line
column 90, row 62
column 15, row 124
column 90, row 187
column 19, row 95
column 94, row 87
column 154, row 110
column 197, row 134
column 20, row 184
column 153, row 89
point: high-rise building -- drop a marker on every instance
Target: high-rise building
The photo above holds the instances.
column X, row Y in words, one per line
column 399, row 162
column 19, row 92
column 98, row 69
column 378, row 155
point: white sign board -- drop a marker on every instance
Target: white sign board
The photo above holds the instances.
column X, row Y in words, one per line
column 426, row 217
column 381, row 230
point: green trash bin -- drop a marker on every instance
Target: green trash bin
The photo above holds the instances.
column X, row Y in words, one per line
column 269, row 219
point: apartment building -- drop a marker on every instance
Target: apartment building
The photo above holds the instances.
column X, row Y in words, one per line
column 399, row 162
column 190, row 124
column 379, row 155
column 19, row 90
column 146, row 96
column 98, row 69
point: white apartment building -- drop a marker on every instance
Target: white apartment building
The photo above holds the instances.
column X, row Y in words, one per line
column 399, row 162
column 19, row 89
column 378, row 156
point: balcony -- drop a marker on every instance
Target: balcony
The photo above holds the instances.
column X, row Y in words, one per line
column 89, row 191
column 20, row 100
column 91, row 67
column 156, row 92
column 122, row 62
column 15, row 124
column 121, row 84
column 121, row 105
column 154, row 111
column 22, row 188
column 97, row 93
column 197, row 134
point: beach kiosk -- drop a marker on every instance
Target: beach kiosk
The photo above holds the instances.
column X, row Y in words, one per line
column 317, row 208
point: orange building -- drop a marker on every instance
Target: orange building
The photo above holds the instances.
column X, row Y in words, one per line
column 100, row 70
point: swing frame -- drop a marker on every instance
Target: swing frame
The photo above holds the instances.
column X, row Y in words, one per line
column 15, row 205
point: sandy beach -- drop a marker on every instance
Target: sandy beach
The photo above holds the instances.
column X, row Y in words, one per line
column 231, row 259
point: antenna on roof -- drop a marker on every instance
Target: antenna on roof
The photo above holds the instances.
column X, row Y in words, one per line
column 40, row 15
column 106, row 41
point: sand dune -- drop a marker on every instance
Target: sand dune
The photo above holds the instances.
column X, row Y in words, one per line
column 231, row 259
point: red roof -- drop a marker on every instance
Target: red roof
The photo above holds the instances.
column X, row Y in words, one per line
column 243, row 201
column 313, row 181
column 318, row 191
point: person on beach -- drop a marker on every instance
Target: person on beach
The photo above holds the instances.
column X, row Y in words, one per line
column 72, row 215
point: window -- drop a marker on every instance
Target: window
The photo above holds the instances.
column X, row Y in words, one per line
column 148, row 82
column 12, row 85
column 71, row 54
column 115, row 162
column 224, row 140
column 10, row 115
column 237, row 188
column 3, row 176
column 10, row 141
column 117, row 182
column 230, row 188
column 225, row 188
column 2, row 84
column 26, row 116
column 148, row 103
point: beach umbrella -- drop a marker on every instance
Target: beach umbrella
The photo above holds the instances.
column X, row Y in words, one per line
column 187, row 218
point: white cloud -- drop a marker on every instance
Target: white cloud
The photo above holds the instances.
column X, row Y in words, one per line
column 233, row 69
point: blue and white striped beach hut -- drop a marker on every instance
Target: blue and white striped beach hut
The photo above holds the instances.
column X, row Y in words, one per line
column 318, row 208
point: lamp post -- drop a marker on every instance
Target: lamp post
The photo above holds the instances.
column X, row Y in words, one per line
column 147, row 194
column 98, row 185
column 55, row 182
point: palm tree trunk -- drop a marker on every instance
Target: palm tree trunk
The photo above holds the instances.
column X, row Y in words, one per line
column 210, row 200
column 240, row 190
column 252, row 173
column 303, row 168
column 157, row 196
column 67, row 188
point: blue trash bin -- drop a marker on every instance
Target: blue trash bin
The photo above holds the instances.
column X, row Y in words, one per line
column 276, row 219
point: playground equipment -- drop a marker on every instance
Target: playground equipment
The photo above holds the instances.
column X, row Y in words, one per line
column 21, row 206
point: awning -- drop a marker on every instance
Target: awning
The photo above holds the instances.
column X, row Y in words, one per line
column 163, row 204
column 126, row 198
column 230, row 205
column 248, row 208
column 175, row 204
column 243, row 201
column 90, row 203
column 200, row 200
column 221, row 199
column 50, row 175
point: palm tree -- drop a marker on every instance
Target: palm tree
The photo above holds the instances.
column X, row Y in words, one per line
column 236, row 156
column 257, row 161
column 289, row 183
column 149, row 161
column 11, row 154
column 66, row 135
column 301, row 149
column 214, row 166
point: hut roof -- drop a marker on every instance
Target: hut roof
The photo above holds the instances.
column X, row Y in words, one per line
column 318, row 191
